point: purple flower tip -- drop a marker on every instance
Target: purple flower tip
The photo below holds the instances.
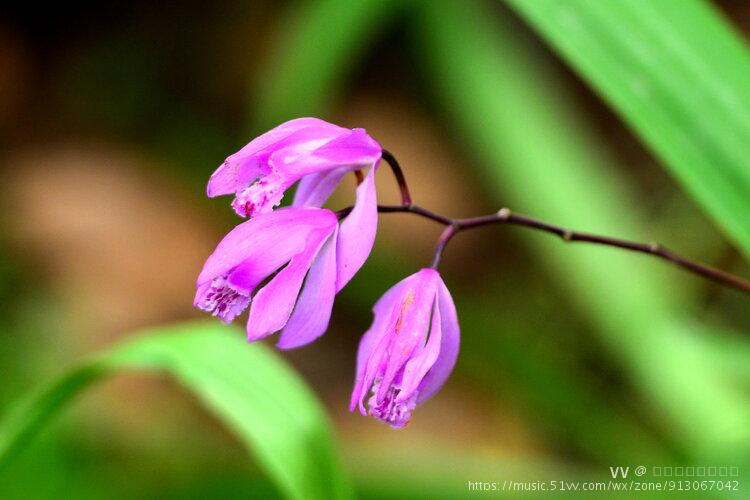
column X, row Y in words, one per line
column 308, row 149
column 220, row 299
column 396, row 414
column 260, row 197
column 409, row 351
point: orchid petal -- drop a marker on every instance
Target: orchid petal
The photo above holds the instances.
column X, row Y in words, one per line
column 269, row 240
column 357, row 232
column 384, row 312
column 314, row 189
column 418, row 366
column 409, row 351
column 449, row 345
column 240, row 169
column 273, row 304
column 285, row 130
column 395, row 303
column 248, row 275
column 412, row 325
column 356, row 149
column 221, row 299
column 310, row 317
column 353, row 152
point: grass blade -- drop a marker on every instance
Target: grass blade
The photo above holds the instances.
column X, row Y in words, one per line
column 245, row 385
column 677, row 74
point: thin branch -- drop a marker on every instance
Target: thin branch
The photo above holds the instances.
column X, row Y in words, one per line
column 415, row 209
column 399, row 175
column 505, row 216
column 443, row 240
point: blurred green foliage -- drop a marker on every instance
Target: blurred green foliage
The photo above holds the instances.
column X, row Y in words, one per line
column 677, row 73
column 248, row 387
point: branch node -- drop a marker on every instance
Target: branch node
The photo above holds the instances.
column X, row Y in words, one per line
column 567, row 235
column 504, row 213
column 654, row 247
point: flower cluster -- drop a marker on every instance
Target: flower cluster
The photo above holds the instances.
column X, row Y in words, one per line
column 287, row 264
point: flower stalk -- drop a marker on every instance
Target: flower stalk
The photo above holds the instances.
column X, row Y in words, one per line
column 506, row 216
column 399, row 175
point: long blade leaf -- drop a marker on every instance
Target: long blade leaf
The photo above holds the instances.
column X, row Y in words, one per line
column 678, row 75
column 246, row 386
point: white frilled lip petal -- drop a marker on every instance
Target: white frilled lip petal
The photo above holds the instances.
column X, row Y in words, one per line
column 267, row 240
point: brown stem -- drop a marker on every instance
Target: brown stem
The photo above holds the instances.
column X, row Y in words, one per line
column 399, row 175
column 505, row 216
column 448, row 233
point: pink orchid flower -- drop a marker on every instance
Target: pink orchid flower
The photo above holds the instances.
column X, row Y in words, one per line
column 409, row 351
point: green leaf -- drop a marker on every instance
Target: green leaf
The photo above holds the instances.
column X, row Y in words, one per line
column 316, row 50
column 541, row 158
column 245, row 385
column 678, row 75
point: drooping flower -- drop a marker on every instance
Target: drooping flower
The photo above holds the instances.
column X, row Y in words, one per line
column 297, row 242
column 317, row 152
column 409, row 351
column 286, row 246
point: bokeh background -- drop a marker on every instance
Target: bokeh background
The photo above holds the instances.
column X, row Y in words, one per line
column 574, row 359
